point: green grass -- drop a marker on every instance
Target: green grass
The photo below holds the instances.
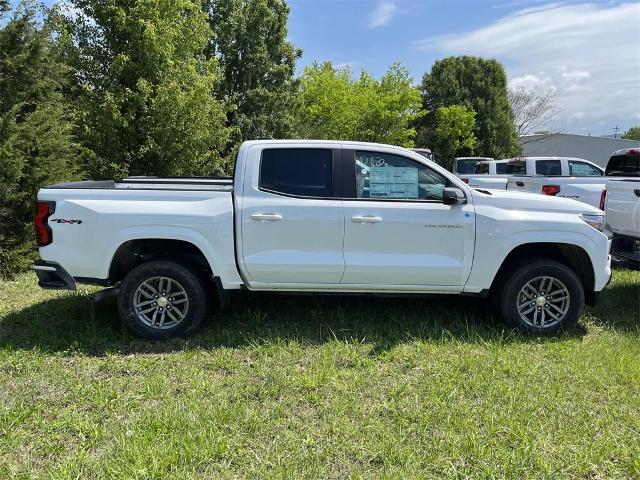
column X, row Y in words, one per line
column 311, row 387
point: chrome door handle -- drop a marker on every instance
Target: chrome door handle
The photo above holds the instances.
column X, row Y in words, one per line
column 366, row 219
column 271, row 217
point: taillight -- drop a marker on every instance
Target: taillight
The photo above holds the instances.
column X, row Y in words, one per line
column 550, row 189
column 465, row 180
column 603, row 198
column 43, row 230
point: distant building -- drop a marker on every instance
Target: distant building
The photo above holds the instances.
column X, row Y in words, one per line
column 595, row 149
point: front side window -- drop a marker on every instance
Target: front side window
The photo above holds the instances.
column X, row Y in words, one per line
column 303, row 172
column 548, row 168
column 387, row 176
column 582, row 169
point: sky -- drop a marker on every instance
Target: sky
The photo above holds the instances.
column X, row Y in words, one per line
column 588, row 54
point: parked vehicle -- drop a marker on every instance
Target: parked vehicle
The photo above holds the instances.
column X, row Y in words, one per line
column 425, row 152
column 488, row 174
column 320, row 216
column 584, row 185
column 622, row 208
column 566, row 177
column 467, row 165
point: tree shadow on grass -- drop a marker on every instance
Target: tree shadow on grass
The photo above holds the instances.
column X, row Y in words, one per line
column 71, row 323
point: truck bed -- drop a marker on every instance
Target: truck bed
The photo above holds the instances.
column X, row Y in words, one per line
column 151, row 183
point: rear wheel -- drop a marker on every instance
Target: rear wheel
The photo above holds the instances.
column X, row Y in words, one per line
column 162, row 299
column 542, row 297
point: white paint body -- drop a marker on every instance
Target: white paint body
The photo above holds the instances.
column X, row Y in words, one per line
column 622, row 208
column 267, row 241
column 490, row 180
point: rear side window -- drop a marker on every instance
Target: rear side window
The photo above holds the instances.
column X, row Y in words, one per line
column 501, row 168
column 548, row 168
column 303, row 172
column 624, row 166
column 581, row 169
column 516, row 168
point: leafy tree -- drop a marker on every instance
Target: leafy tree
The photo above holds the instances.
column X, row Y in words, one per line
column 632, row 134
column 335, row 106
column 480, row 85
column 257, row 64
column 145, row 88
column 36, row 145
column 454, row 133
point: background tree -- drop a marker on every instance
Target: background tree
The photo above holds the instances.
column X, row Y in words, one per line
column 480, row 85
column 36, row 145
column 145, row 89
column 454, row 135
column 257, row 64
column 632, row 134
column 332, row 105
column 530, row 111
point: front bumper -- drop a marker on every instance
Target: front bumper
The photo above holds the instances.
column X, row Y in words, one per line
column 52, row 276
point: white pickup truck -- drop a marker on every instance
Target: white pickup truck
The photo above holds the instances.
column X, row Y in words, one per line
column 574, row 178
column 622, row 209
column 320, row 216
column 487, row 174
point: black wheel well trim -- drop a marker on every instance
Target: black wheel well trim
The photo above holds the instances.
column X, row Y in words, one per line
column 133, row 252
column 573, row 256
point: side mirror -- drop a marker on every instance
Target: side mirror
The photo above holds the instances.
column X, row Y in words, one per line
column 453, row 196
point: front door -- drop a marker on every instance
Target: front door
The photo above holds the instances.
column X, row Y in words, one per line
column 291, row 219
column 398, row 231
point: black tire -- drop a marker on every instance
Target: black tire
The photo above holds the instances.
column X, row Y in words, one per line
column 187, row 314
column 508, row 295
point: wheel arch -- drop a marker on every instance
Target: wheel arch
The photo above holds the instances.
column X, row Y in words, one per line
column 573, row 256
column 135, row 251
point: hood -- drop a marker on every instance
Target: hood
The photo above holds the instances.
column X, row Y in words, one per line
column 513, row 200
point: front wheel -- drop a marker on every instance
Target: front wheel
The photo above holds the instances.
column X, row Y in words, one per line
column 162, row 299
column 542, row 297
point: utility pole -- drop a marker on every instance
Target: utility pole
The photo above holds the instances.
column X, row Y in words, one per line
column 615, row 131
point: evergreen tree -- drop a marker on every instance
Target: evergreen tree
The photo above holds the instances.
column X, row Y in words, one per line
column 480, row 85
column 36, row 144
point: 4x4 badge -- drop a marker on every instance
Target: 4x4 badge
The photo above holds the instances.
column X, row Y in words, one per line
column 64, row 220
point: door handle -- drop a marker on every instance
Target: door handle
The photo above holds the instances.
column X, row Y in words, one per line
column 366, row 219
column 271, row 217
column 520, row 184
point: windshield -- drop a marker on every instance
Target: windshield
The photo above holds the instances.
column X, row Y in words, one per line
column 466, row 165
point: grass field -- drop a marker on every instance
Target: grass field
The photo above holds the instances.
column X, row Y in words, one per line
column 311, row 387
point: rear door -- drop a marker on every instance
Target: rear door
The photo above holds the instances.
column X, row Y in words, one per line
column 291, row 216
column 397, row 230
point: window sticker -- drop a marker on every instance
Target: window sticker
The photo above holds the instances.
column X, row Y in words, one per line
column 393, row 182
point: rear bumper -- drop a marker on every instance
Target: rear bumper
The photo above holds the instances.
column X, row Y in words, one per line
column 52, row 276
column 626, row 247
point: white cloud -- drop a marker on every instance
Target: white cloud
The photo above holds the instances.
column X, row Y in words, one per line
column 588, row 53
column 383, row 14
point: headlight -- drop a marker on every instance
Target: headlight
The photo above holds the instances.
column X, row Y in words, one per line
column 596, row 221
